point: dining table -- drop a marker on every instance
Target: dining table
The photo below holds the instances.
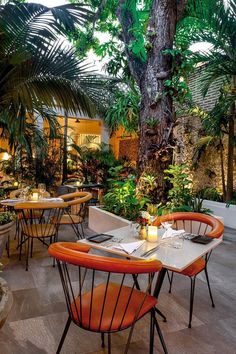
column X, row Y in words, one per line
column 173, row 259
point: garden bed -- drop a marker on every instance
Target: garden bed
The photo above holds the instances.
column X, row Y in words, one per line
column 103, row 221
column 228, row 213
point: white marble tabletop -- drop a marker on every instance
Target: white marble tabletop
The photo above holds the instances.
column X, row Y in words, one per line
column 171, row 258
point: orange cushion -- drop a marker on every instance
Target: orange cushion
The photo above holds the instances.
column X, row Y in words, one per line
column 109, row 307
column 194, row 268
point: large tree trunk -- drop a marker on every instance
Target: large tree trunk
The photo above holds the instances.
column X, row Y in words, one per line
column 157, row 116
column 155, row 150
column 65, row 152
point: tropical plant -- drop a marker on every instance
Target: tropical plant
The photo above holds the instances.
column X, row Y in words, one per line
column 121, row 199
column 180, row 193
column 210, row 193
column 94, row 164
column 219, row 31
column 39, row 72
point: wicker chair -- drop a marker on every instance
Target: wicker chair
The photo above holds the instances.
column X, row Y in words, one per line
column 35, row 220
column 76, row 211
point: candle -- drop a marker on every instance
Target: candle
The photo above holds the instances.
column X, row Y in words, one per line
column 35, row 196
column 78, row 183
column 152, row 234
column 15, row 184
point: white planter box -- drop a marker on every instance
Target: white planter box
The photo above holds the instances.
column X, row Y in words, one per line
column 102, row 221
column 219, row 209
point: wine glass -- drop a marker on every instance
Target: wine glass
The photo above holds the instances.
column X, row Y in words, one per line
column 42, row 189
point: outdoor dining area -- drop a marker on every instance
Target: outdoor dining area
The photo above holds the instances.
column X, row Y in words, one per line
column 117, row 177
column 76, row 290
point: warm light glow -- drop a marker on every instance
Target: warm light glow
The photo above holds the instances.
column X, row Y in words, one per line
column 15, row 184
column 152, row 234
column 35, row 196
column 5, row 156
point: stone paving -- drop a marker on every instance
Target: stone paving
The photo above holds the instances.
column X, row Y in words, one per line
column 38, row 316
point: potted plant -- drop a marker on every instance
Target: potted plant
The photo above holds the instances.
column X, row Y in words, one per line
column 6, row 300
column 7, row 220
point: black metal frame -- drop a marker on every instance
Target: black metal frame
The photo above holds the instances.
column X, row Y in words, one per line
column 75, row 226
column 74, row 302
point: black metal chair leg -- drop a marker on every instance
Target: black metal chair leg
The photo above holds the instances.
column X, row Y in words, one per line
column 160, row 334
column 192, row 291
column 151, row 343
column 209, row 288
column 170, row 278
column 82, row 229
column 31, row 248
column 161, row 314
column 27, row 254
column 109, row 343
column 103, row 340
column 64, row 335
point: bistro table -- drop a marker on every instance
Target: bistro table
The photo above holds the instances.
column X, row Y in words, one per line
column 171, row 258
column 10, row 203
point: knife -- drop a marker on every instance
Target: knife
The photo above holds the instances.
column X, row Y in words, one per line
column 147, row 253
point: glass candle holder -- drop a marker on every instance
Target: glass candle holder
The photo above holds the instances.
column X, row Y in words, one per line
column 35, row 196
column 152, row 235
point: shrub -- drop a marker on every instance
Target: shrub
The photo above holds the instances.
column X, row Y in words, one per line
column 6, row 217
column 210, row 193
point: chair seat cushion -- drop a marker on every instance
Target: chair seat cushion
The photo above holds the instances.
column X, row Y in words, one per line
column 39, row 230
column 194, row 268
column 120, row 321
column 70, row 219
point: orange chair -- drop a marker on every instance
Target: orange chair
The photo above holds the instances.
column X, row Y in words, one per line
column 75, row 212
column 107, row 301
column 200, row 224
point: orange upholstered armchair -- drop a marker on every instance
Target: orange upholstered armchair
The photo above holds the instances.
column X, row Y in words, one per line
column 110, row 301
column 200, row 224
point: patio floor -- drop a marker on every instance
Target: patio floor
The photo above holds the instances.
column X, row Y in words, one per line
column 38, row 315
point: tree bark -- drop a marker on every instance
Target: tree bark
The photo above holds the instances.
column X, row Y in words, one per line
column 156, row 145
column 156, row 151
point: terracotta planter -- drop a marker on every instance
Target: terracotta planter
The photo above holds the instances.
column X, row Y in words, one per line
column 6, row 301
column 4, row 232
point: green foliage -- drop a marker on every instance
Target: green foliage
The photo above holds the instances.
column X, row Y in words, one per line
column 183, row 62
column 210, row 193
column 38, row 73
column 6, row 217
column 121, row 199
column 95, row 164
column 124, row 112
column 180, row 193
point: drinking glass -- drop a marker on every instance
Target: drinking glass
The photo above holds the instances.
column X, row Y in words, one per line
column 42, row 189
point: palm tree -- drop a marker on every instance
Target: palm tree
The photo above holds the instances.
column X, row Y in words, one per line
column 214, row 21
column 39, row 71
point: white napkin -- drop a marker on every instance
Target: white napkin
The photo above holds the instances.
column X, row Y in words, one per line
column 172, row 233
column 51, row 199
column 129, row 247
column 14, row 200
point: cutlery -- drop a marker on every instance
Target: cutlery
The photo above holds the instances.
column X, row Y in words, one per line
column 147, row 253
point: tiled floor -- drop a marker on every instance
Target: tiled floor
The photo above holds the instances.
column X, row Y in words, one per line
column 38, row 315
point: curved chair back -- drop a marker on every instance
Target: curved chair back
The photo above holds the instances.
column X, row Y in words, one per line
column 195, row 223
column 76, row 201
column 105, row 298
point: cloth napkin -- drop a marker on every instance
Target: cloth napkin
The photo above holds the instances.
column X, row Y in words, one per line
column 51, row 200
column 172, row 233
column 129, row 247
